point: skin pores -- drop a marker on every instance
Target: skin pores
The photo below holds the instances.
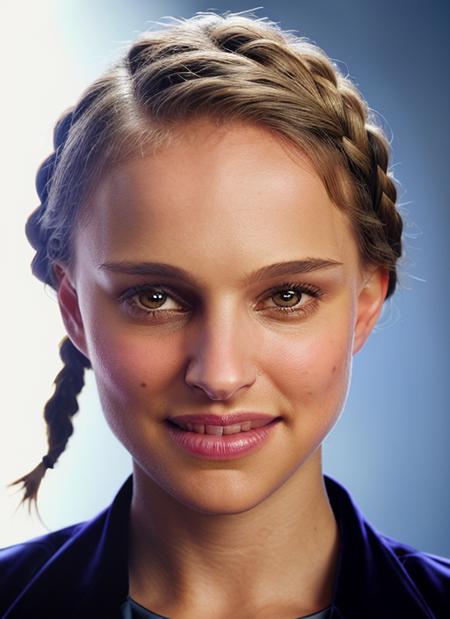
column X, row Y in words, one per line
column 218, row 203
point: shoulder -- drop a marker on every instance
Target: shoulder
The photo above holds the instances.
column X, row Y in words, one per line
column 429, row 572
column 34, row 551
column 78, row 571
column 387, row 577
column 21, row 562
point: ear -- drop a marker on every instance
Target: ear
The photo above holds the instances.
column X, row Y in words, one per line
column 69, row 308
column 369, row 305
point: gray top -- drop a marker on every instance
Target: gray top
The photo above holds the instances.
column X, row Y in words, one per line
column 132, row 610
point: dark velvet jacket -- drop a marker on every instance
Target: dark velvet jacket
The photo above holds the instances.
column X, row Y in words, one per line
column 82, row 571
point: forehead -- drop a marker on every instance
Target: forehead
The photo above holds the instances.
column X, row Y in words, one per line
column 230, row 195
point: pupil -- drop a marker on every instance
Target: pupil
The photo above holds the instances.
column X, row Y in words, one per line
column 289, row 295
column 152, row 297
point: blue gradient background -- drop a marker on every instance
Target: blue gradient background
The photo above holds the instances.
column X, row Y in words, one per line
column 390, row 447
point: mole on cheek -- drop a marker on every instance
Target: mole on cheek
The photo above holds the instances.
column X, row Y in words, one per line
column 334, row 369
column 143, row 384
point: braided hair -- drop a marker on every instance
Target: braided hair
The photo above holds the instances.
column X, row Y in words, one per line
column 70, row 380
column 225, row 68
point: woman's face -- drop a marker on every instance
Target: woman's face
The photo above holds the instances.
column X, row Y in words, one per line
column 220, row 204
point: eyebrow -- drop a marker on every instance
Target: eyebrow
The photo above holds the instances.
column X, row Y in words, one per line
column 162, row 269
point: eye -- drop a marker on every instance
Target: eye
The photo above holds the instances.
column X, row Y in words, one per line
column 146, row 299
column 290, row 297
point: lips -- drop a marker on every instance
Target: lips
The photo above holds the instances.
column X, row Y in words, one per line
column 219, row 425
column 217, row 446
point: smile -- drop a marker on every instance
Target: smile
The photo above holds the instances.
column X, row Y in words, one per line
column 221, row 442
column 201, row 428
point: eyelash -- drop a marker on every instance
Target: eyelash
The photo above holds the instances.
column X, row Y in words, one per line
column 127, row 298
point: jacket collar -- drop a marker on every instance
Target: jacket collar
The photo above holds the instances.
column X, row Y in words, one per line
column 370, row 579
column 88, row 575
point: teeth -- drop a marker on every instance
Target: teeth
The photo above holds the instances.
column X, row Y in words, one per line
column 201, row 428
column 217, row 430
column 236, row 428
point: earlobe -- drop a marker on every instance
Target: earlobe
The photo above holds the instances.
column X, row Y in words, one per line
column 69, row 308
column 370, row 303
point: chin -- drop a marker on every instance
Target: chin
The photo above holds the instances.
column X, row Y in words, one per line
column 220, row 505
column 222, row 494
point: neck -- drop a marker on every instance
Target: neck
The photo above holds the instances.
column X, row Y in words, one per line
column 286, row 546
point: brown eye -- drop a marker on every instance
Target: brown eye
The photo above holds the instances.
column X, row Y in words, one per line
column 150, row 299
column 293, row 299
column 288, row 296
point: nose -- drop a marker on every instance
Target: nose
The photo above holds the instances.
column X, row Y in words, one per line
column 221, row 356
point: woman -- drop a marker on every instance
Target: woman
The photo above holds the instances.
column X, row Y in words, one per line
column 219, row 222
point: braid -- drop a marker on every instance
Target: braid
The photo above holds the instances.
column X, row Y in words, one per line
column 38, row 235
column 384, row 194
column 367, row 154
column 70, row 380
column 58, row 412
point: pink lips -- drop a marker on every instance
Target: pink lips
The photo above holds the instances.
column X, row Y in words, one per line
column 223, row 447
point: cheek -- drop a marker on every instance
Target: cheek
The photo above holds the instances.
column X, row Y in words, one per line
column 314, row 369
column 132, row 369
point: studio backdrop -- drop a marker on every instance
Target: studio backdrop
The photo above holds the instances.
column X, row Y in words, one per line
column 390, row 447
